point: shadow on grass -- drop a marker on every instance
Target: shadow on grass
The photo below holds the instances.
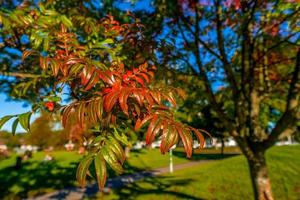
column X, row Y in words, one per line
column 205, row 156
column 157, row 187
column 35, row 178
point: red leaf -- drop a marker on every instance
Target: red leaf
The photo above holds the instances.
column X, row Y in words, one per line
column 93, row 81
column 170, row 138
column 170, row 98
column 237, row 4
column 139, row 97
column 156, row 96
column 199, row 136
column 65, row 114
column 152, row 129
column 106, row 90
column 139, row 124
column 27, row 53
column 140, row 81
column 49, row 106
column 186, row 140
column 163, row 144
column 110, row 100
column 80, row 114
column 149, row 98
column 123, row 101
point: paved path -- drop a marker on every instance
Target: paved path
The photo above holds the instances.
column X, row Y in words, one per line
column 76, row 193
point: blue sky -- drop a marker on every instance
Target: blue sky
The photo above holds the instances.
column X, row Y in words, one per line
column 11, row 108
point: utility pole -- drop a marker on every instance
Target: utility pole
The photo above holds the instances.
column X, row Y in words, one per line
column 171, row 160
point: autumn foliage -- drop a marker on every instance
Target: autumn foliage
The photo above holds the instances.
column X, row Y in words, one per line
column 108, row 94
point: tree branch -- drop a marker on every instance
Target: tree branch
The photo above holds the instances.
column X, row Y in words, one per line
column 204, row 77
column 289, row 118
column 20, row 75
column 227, row 66
column 199, row 40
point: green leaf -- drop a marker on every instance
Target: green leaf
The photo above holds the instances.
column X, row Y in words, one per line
column 98, row 139
column 111, row 159
column 117, row 148
column 46, row 43
column 50, row 12
column 54, row 99
column 25, row 120
column 99, row 108
column 14, row 126
column 82, row 169
column 101, row 171
column 107, row 41
column 122, row 138
column 4, row 119
column 66, row 21
column 104, row 42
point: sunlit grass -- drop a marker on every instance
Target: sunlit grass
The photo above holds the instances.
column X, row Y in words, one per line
column 225, row 179
column 37, row 176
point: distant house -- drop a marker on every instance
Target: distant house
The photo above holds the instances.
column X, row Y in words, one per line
column 228, row 142
column 69, row 146
column 156, row 144
column 289, row 140
column 139, row 145
column 3, row 148
column 210, row 142
column 29, row 148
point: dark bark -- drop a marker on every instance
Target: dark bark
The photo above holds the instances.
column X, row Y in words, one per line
column 18, row 164
column 259, row 176
column 222, row 147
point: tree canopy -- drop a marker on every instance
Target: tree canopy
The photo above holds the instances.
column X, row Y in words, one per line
column 98, row 64
column 238, row 60
column 251, row 49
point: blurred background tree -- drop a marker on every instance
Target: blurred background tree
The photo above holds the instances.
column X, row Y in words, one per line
column 247, row 47
column 236, row 60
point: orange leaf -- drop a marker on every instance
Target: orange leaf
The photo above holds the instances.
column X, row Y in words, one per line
column 110, row 100
column 123, row 100
column 27, row 53
column 152, row 130
column 186, row 139
column 140, row 81
column 199, row 137
column 145, row 76
column 93, row 81
column 140, row 123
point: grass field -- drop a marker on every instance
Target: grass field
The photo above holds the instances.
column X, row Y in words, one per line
column 38, row 177
column 224, row 179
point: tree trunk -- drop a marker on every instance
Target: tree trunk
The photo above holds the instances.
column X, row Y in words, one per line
column 259, row 177
column 222, row 147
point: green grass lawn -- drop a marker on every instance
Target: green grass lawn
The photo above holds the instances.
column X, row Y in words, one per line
column 224, row 179
column 37, row 177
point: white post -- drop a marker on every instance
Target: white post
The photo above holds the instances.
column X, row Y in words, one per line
column 290, row 139
column 171, row 161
